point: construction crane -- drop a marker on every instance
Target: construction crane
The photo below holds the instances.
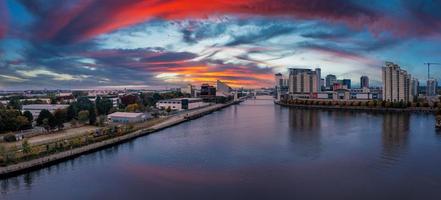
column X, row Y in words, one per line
column 428, row 68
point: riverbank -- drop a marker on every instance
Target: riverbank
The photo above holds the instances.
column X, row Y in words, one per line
column 21, row 167
column 359, row 108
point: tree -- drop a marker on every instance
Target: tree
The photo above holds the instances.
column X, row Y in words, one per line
column 15, row 103
column 53, row 99
column 83, row 103
column 26, row 147
column 129, row 99
column 71, row 112
column 22, row 122
column 133, row 108
column 101, row 120
column 103, row 105
column 73, row 122
column 60, row 116
column 45, row 124
column 8, row 120
column 28, row 115
column 92, row 115
column 83, row 116
column 44, row 114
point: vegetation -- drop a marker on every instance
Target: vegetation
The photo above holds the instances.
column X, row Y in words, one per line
column 60, row 116
column 103, row 105
column 9, row 137
column 366, row 104
column 83, row 116
column 13, row 120
column 26, row 151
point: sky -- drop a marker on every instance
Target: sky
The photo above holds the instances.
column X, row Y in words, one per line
column 77, row 44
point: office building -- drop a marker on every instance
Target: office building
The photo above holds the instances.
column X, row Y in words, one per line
column 347, row 82
column 364, row 82
column 181, row 103
column 396, row 83
column 281, row 86
column 304, row 81
column 432, row 85
column 207, row 90
column 330, row 80
column 189, row 89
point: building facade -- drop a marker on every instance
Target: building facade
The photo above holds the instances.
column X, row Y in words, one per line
column 414, row 86
column 207, row 90
column 396, row 83
column 364, row 82
column 281, row 86
column 127, row 117
column 35, row 109
column 189, row 89
column 432, row 85
column 330, row 80
column 347, row 82
column 304, row 82
column 181, row 103
column 222, row 89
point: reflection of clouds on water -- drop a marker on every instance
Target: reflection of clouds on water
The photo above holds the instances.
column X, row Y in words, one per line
column 305, row 128
column 161, row 174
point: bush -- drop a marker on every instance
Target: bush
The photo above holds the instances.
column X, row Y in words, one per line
column 9, row 138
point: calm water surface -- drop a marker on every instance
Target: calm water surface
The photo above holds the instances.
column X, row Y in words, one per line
column 256, row 150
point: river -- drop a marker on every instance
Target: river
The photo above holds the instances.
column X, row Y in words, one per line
column 256, row 150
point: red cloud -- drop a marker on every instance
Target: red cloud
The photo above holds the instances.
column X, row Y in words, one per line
column 91, row 18
column 3, row 19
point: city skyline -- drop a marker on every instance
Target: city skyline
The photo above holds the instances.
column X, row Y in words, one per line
column 87, row 44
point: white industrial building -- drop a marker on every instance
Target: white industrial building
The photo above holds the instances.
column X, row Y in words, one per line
column 127, row 117
column 181, row 103
column 35, row 109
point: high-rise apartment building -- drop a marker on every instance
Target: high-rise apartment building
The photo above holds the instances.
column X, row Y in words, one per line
column 432, row 85
column 414, row 87
column 396, row 83
column 330, row 80
column 364, row 82
column 304, row 81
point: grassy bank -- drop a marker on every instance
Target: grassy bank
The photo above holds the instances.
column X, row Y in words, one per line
column 19, row 158
column 25, row 151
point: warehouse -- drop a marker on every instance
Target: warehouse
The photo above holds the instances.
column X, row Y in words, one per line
column 181, row 103
column 35, row 109
column 127, row 117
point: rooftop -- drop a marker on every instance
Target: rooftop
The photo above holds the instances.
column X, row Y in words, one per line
column 125, row 114
column 45, row 106
column 179, row 99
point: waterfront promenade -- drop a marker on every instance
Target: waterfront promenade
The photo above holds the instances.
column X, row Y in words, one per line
column 359, row 108
column 47, row 160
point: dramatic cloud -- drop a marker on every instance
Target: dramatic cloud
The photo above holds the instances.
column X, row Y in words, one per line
column 85, row 18
column 3, row 19
column 89, row 43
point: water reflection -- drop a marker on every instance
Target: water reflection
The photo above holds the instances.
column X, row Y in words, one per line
column 395, row 131
column 305, row 128
column 258, row 152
